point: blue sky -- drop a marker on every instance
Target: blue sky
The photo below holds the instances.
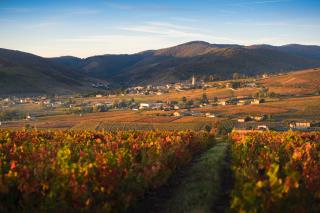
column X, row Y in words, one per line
column 92, row 27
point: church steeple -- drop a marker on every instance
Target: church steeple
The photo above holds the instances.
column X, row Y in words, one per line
column 193, row 81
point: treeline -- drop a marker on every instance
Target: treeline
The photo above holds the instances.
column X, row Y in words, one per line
column 8, row 115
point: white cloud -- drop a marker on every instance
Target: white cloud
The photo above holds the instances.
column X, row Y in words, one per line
column 172, row 31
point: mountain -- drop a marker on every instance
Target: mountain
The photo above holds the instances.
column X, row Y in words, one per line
column 309, row 51
column 24, row 73
column 199, row 58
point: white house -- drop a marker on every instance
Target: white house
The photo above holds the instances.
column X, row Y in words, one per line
column 145, row 106
column 177, row 114
column 256, row 101
column 210, row 115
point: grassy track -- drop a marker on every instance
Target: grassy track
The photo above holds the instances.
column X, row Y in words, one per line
column 202, row 188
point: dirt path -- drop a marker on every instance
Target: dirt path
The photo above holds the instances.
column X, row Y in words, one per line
column 204, row 186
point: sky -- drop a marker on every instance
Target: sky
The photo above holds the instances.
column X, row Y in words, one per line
column 92, row 27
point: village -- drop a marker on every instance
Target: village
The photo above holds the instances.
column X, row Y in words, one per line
column 151, row 98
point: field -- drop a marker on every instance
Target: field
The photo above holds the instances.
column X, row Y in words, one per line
column 295, row 83
column 295, row 102
column 280, row 109
column 278, row 172
column 284, row 108
column 89, row 171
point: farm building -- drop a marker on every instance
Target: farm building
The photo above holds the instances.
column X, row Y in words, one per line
column 300, row 125
column 259, row 127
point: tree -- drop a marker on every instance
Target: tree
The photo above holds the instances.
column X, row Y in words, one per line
column 189, row 103
column 184, row 99
column 102, row 108
column 272, row 95
column 173, row 102
column 204, row 99
column 122, row 104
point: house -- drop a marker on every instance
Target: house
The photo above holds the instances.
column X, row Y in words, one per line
column 252, row 85
column 138, row 88
column 178, row 86
column 156, row 106
column 263, row 128
column 177, row 114
column 108, row 104
column 259, row 127
column 29, row 117
column 176, row 107
column 151, row 106
column 98, row 96
column 228, row 85
column 46, row 101
column 243, row 120
column 210, row 115
column 258, row 117
column 244, row 102
column 256, row 101
column 224, row 102
column 300, row 125
column 144, row 106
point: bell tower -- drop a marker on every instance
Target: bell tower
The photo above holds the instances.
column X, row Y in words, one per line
column 193, row 82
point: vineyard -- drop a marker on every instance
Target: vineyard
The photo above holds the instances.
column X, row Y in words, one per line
column 276, row 172
column 110, row 171
column 89, row 171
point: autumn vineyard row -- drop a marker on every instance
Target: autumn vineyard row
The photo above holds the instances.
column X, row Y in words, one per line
column 89, row 171
column 276, row 172
column 44, row 171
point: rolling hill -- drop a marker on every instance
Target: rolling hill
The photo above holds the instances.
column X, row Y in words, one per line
column 294, row 83
column 26, row 73
column 199, row 58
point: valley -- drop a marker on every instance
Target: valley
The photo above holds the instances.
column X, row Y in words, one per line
column 284, row 102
